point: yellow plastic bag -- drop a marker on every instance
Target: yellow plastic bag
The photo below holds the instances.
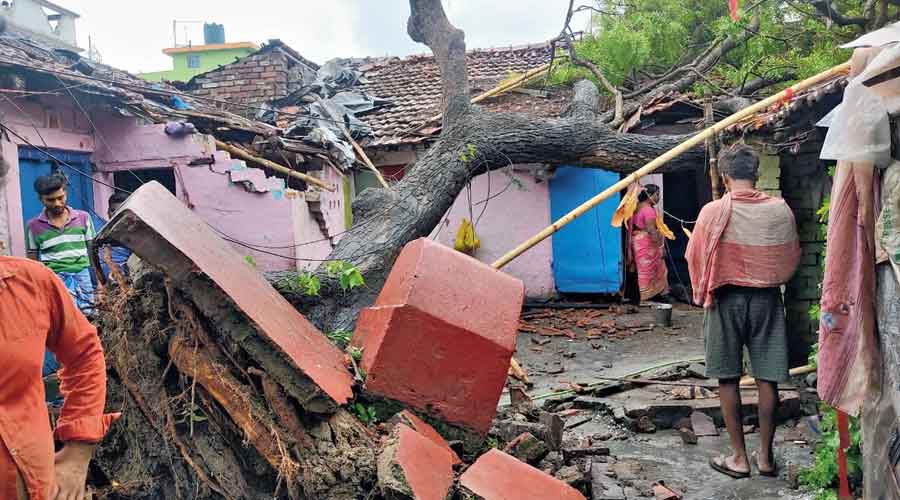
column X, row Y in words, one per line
column 663, row 228
column 627, row 206
column 466, row 239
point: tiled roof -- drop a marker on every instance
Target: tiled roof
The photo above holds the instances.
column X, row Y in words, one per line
column 413, row 87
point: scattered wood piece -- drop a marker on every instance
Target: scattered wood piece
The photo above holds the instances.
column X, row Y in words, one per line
column 516, row 371
column 575, row 422
column 800, row 370
column 271, row 165
column 540, row 341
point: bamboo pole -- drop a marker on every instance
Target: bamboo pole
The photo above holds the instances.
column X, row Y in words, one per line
column 666, row 157
column 356, row 147
column 245, row 155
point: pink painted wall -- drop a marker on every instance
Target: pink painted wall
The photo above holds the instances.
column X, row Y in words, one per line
column 509, row 219
column 275, row 217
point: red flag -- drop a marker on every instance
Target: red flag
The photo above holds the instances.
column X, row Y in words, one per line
column 733, row 7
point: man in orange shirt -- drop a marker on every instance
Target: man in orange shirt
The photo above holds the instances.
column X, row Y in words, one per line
column 37, row 313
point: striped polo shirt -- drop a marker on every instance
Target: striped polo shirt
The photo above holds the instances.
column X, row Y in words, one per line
column 62, row 250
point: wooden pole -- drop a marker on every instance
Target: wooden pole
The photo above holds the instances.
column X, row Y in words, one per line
column 800, row 370
column 666, row 157
column 356, row 147
column 245, row 155
column 712, row 153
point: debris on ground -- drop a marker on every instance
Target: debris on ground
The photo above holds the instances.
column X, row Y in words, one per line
column 572, row 323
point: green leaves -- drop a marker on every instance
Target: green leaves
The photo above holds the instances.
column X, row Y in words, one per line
column 250, row 260
column 341, row 337
column 366, row 414
column 309, row 283
column 348, row 276
column 823, row 475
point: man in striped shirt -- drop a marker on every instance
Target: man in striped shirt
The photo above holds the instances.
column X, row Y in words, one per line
column 59, row 238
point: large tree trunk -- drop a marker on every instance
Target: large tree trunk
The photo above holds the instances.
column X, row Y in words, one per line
column 385, row 220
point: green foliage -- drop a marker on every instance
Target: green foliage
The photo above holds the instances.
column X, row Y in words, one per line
column 340, row 338
column 813, row 358
column 366, row 414
column 250, row 260
column 348, row 276
column 823, row 475
column 355, row 353
column 468, row 154
column 309, row 283
column 647, row 37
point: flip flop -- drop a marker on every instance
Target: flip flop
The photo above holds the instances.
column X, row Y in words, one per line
column 773, row 472
column 719, row 464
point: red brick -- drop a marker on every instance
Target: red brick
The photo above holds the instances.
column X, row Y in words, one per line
column 456, row 288
column 426, row 467
column 498, row 476
column 407, row 417
column 441, row 334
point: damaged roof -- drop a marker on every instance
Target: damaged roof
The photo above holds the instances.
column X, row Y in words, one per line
column 785, row 124
column 413, row 87
column 28, row 58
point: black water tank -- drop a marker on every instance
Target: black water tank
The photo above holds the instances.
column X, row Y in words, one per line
column 213, row 33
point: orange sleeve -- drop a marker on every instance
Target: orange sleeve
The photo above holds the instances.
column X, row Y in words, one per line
column 82, row 374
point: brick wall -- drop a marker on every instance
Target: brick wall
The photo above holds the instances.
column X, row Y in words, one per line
column 253, row 80
column 804, row 183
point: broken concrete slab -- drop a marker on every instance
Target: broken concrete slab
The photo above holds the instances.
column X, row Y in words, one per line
column 162, row 231
column 408, row 418
column 441, row 334
column 667, row 413
column 411, row 466
column 498, row 476
column 663, row 492
column 554, row 428
column 570, row 454
column 687, row 435
column 527, row 448
column 703, row 425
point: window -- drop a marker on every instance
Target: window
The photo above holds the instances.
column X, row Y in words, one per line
column 193, row 60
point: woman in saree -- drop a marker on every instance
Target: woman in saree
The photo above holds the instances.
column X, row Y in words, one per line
column 646, row 251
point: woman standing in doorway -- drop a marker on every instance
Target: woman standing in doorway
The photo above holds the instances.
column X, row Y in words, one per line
column 646, row 245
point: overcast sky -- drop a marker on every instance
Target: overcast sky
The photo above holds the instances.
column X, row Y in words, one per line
column 130, row 34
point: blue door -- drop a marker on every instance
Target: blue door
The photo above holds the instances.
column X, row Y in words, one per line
column 33, row 164
column 587, row 253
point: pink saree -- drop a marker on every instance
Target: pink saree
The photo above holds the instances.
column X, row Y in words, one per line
column 647, row 254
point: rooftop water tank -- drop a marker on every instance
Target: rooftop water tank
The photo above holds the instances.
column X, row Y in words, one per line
column 213, row 33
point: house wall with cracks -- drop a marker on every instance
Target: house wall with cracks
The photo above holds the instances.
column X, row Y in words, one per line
column 242, row 202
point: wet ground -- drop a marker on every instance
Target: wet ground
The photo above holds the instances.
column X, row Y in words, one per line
column 625, row 343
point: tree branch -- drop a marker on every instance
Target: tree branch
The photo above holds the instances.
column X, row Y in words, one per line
column 566, row 35
column 428, row 24
column 827, row 10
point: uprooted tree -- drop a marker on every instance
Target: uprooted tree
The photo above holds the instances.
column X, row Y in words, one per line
column 204, row 421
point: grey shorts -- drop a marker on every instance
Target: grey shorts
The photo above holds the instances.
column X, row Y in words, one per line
column 751, row 317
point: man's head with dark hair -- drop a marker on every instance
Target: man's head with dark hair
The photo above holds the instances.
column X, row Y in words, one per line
column 739, row 163
column 51, row 190
column 115, row 201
